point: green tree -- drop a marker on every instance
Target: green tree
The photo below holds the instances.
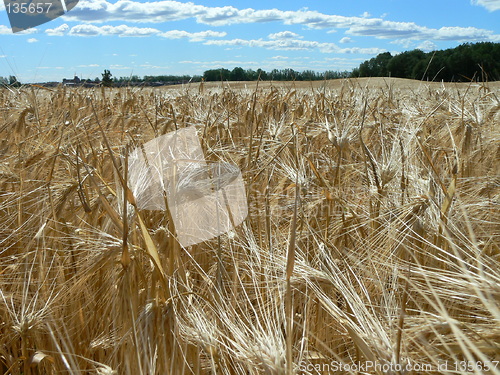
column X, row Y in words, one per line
column 402, row 65
column 375, row 67
column 14, row 82
column 478, row 61
column 238, row 74
column 107, row 81
column 262, row 74
column 216, row 75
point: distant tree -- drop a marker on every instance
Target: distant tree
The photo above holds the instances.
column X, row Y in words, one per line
column 251, row 75
column 307, row 75
column 106, row 78
column 375, row 67
column 262, row 74
column 290, row 75
column 217, row 75
column 132, row 78
column 14, row 82
column 402, row 65
column 276, row 75
column 478, row 61
column 238, row 74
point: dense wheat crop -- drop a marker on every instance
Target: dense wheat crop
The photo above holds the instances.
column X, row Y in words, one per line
column 372, row 235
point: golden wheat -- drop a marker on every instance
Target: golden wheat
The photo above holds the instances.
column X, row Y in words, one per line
column 372, row 236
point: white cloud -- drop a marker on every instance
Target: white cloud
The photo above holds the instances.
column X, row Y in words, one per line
column 194, row 37
column 220, row 63
column 284, row 35
column 345, row 40
column 85, row 30
column 405, row 43
column 155, row 11
column 387, row 29
column 121, row 30
column 4, row 30
column 150, row 66
column 461, row 34
column 28, row 31
column 409, row 30
column 119, row 67
column 58, row 31
column 362, row 51
column 287, row 44
column 89, row 30
column 32, row 40
column 170, row 10
column 427, row 46
column 293, row 45
column 491, row 5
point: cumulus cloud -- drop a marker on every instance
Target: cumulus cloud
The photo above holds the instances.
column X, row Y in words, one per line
column 91, row 30
column 293, row 45
column 32, row 40
column 380, row 28
column 405, row 43
column 121, row 30
column 155, row 11
column 362, row 51
column 461, row 34
column 58, row 31
column 491, row 5
column 345, row 40
column 427, row 46
column 194, row 37
column 220, row 63
column 284, row 35
column 288, row 45
column 171, row 10
column 4, row 30
column 119, row 67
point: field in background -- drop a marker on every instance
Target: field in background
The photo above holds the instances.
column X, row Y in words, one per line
column 372, row 237
column 377, row 83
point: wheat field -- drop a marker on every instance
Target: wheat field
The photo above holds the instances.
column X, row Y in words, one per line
column 372, row 242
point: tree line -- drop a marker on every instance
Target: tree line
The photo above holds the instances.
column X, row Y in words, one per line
column 239, row 74
column 467, row 62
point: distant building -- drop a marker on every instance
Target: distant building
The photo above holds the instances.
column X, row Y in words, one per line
column 72, row 82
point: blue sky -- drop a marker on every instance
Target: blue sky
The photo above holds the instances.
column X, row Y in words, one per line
column 138, row 37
